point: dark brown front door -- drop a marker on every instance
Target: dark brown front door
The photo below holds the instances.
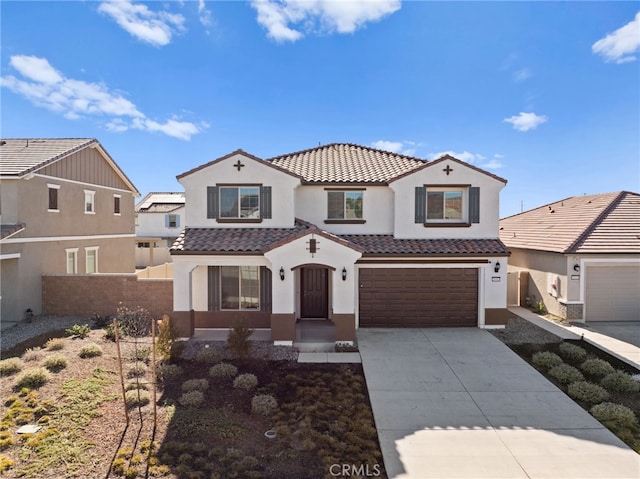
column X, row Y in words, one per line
column 314, row 284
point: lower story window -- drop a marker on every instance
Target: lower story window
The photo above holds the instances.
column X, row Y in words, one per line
column 72, row 260
column 91, row 260
column 240, row 287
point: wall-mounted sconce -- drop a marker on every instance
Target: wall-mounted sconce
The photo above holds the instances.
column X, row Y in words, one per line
column 281, row 273
column 344, row 274
column 576, row 268
column 496, row 268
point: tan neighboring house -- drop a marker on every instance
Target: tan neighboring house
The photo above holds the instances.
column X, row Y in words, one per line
column 580, row 256
column 66, row 207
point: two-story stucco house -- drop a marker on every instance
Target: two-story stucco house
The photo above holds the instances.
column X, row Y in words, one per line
column 355, row 235
column 67, row 208
column 159, row 221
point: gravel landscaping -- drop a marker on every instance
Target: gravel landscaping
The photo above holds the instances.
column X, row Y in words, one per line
column 38, row 326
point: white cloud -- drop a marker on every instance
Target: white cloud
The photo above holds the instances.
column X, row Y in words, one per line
column 155, row 28
column 491, row 165
column 526, row 121
column 464, row 156
column 290, row 20
column 204, row 14
column 522, row 74
column 620, row 46
column 395, row 146
column 46, row 87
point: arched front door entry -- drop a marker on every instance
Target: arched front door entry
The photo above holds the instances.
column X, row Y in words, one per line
column 314, row 292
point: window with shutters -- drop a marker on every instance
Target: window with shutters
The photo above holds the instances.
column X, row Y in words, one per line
column 239, row 203
column 240, row 287
column 53, row 198
column 454, row 205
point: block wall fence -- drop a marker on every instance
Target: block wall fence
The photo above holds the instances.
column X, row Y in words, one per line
column 86, row 295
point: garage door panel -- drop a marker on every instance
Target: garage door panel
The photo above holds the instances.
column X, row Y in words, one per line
column 612, row 293
column 418, row 297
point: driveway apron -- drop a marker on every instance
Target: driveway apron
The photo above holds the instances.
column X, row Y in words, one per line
column 458, row 403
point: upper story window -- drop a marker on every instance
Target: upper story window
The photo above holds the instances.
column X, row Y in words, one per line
column 172, row 221
column 89, row 202
column 442, row 205
column 116, row 204
column 239, row 203
column 345, row 206
column 53, row 197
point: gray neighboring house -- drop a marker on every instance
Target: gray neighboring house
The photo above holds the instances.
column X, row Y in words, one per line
column 66, row 208
column 580, row 256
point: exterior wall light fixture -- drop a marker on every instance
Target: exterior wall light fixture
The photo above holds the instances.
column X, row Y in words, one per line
column 576, row 268
column 281, row 273
column 344, row 274
column 496, row 268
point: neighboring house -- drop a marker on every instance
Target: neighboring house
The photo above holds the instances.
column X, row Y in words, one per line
column 66, row 208
column 581, row 255
column 159, row 220
column 343, row 232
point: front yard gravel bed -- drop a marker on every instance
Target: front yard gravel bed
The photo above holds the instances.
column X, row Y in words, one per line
column 37, row 331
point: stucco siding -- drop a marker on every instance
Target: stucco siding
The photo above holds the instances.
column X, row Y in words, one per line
column 9, row 201
column 153, row 225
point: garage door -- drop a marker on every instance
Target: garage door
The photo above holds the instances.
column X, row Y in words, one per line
column 418, row 297
column 612, row 293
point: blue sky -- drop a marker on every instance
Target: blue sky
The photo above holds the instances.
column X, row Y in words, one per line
column 544, row 94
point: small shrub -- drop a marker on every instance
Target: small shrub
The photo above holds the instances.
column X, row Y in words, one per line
column 168, row 371
column 32, row 354
column 587, row 392
column 566, row 374
column 539, row 307
column 546, row 360
column 245, row 381
column 32, row 378
column 136, row 386
column 110, row 332
column 167, row 334
column 101, row 321
column 620, row 381
column 55, row 344
column 55, row 363
column 137, row 398
column 195, row 385
column 6, row 463
column 223, row 370
column 131, row 473
column 208, row 356
column 90, row 350
column 10, row 366
column 79, row 331
column 136, row 322
column 192, row 399
column 6, row 440
column 597, row 367
column 238, row 341
column 572, row 352
column 137, row 370
column 159, row 471
column 141, row 354
column 264, row 404
column 614, row 413
column 118, row 466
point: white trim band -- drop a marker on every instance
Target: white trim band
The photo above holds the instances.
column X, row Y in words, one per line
column 44, row 239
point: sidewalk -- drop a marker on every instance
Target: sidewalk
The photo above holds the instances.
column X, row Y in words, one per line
column 624, row 351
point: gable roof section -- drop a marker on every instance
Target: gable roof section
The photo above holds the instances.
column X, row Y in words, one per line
column 239, row 151
column 455, row 160
column 603, row 223
column 346, row 163
column 21, row 156
column 161, row 202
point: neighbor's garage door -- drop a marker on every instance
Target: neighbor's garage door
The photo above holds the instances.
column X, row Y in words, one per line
column 612, row 293
column 418, row 297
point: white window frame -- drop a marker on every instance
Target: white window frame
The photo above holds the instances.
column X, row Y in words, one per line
column 74, row 252
column 88, row 249
column 169, row 220
column 53, row 186
column 464, row 190
column 119, row 213
column 90, row 194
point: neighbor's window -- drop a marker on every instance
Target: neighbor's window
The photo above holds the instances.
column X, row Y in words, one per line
column 240, row 202
column 239, row 287
column 53, row 197
column 344, row 205
column 116, row 204
column 173, row 221
column 91, row 260
column 444, row 205
column 72, row 260
column 89, row 201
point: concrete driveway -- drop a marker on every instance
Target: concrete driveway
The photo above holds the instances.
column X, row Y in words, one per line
column 457, row 403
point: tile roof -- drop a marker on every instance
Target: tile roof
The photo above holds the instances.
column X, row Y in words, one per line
column 603, row 223
column 8, row 230
column 161, row 202
column 346, row 163
column 383, row 245
column 19, row 156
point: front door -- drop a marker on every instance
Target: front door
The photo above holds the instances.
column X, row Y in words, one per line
column 315, row 299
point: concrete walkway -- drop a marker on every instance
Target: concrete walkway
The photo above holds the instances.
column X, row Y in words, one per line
column 618, row 338
column 457, row 403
